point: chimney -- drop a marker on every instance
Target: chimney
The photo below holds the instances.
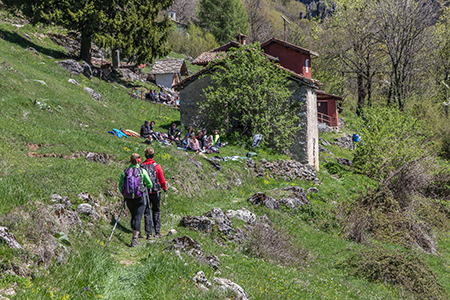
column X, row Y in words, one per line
column 241, row 38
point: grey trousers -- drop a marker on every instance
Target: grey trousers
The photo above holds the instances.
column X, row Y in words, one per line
column 154, row 201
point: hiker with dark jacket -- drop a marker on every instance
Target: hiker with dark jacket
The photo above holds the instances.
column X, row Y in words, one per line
column 131, row 176
column 146, row 129
column 156, row 175
column 174, row 133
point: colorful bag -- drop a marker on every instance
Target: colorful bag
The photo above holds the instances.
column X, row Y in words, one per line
column 133, row 186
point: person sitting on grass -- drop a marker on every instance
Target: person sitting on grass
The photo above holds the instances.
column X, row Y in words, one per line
column 187, row 135
column 174, row 133
column 145, row 130
column 216, row 139
column 193, row 143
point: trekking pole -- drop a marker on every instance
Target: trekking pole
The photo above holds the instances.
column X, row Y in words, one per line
column 117, row 221
column 165, row 202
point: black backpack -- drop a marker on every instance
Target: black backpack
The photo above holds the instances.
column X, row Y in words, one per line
column 151, row 170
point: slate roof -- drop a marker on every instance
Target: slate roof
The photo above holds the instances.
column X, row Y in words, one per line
column 289, row 45
column 206, row 57
column 170, row 66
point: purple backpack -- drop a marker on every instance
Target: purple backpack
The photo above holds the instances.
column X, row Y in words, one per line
column 133, row 187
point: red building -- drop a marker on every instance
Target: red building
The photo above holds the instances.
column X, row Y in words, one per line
column 298, row 60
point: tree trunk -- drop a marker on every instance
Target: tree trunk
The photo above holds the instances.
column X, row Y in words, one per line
column 361, row 94
column 85, row 53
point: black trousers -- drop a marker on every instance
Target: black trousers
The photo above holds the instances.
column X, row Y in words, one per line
column 155, row 200
column 137, row 208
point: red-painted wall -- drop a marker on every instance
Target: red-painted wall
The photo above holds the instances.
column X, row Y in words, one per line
column 290, row 58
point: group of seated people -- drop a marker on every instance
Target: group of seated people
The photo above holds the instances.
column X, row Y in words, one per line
column 163, row 97
column 192, row 142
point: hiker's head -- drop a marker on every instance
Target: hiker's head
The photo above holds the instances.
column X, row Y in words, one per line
column 135, row 159
column 146, row 123
column 216, row 131
column 174, row 125
column 190, row 129
column 204, row 130
column 149, row 152
column 152, row 123
column 192, row 136
column 199, row 133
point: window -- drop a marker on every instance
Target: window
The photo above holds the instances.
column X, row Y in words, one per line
column 306, row 65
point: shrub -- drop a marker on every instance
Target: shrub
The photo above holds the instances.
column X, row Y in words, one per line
column 402, row 268
column 274, row 245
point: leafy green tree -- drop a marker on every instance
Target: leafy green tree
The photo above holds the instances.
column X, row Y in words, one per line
column 127, row 24
column 391, row 139
column 223, row 18
column 193, row 42
column 250, row 91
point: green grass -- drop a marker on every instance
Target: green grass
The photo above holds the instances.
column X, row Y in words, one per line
column 93, row 268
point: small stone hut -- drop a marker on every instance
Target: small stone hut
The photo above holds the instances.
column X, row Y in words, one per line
column 169, row 72
column 305, row 148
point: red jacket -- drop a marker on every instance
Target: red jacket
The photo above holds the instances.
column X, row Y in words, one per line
column 159, row 173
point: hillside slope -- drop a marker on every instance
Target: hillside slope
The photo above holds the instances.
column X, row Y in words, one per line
column 48, row 125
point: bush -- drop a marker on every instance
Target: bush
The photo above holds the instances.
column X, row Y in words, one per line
column 391, row 139
column 193, row 43
column 274, row 245
column 402, row 268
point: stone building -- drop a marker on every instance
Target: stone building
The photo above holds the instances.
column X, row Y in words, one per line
column 169, row 72
column 305, row 148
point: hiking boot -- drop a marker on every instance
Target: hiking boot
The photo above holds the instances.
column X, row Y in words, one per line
column 158, row 235
column 135, row 242
column 149, row 237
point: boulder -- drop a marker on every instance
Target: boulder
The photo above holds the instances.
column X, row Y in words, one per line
column 93, row 94
column 72, row 66
column 344, row 142
column 261, row 198
column 324, row 142
column 202, row 282
column 129, row 75
column 222, row 220
column 65, row 219
column 201, row 223
column 298, row 195
column 211, row 260
column 228, row 285
column 240, row 236
column 242, row 214
column 73, row 81
column 323, row 149
column 344, row 161
column 88, row 210
column 9, row 238
column 87, row 71
column 313, row 190
column 188, row 245
column 97, row 157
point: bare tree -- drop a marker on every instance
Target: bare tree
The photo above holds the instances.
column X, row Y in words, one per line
column 185, row 10
column 260, row 27
column 402, row 28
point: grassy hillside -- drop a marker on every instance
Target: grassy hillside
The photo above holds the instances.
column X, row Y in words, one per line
column 43, row 114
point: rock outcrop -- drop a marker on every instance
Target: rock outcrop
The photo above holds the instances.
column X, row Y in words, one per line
column 9, row 238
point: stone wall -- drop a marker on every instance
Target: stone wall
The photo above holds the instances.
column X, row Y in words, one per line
column 305, row 148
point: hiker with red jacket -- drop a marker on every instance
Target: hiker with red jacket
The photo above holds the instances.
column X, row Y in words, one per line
column 157, row 177
column 133, row 184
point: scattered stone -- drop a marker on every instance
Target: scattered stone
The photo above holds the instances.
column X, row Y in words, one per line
column 27, row 36
column 283, row 169
column 344, row 142
column 55, row 198
column 323, row 149
column 97, row 157
column 171, row 232
column 324, row 142
column 239, row 237
column 202, row 282
column 228, row 285
column 40, row 81
column 212, row 260
column 261, row 198
column 201, row 223
column 313, row 190
column 9, row 238
column 344, row 161
column 87, row 209
column 87, row 71
column 33, row 50
column 73, row 81
column 214, row 164
column 72, row 66
column 8, row 292
column 298, row 194
column 93, row 94
column 127, row 74
column 222, row 220
column 188, row 245
column 242, row 214
column 66, row 219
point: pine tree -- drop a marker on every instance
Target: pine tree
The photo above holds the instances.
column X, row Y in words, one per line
column 223, row 18
column 126, row 24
